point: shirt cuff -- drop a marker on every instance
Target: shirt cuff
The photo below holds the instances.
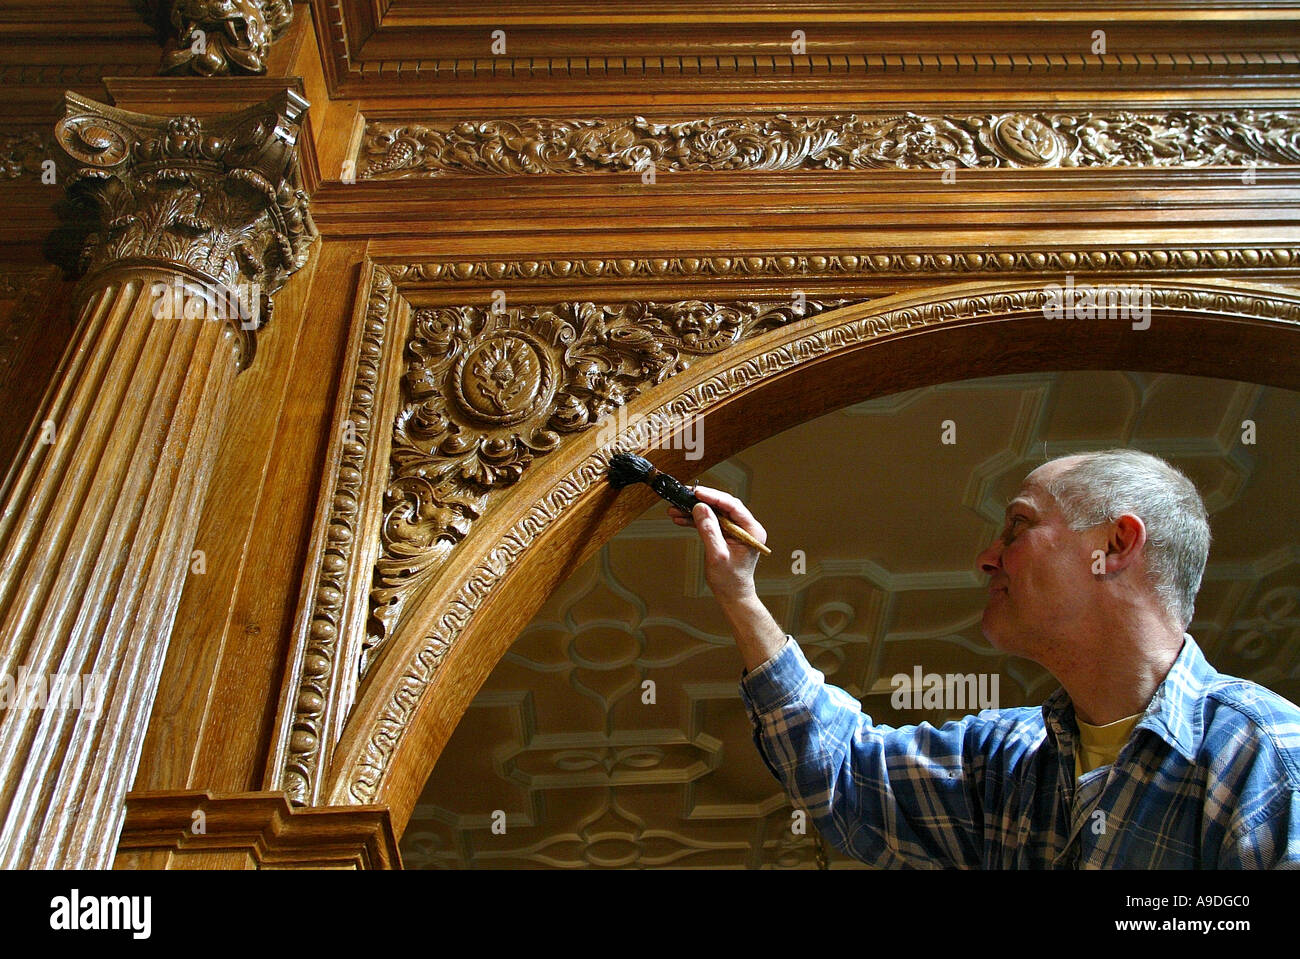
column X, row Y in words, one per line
column 778, row 680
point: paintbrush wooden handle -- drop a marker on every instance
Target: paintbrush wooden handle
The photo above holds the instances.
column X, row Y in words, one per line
column 729, row 527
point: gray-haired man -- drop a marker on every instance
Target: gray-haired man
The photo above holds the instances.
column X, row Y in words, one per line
column 1145, row 757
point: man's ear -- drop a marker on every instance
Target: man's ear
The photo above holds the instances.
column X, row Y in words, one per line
column 1124, row 542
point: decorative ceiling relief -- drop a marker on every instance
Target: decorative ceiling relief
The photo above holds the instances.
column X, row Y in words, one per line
column 486, row 393
column 784, row 142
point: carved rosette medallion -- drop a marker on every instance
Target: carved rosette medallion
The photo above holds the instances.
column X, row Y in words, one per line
column 503, row 379
column 219, row 196
column 1028, row 140
column 785, row 142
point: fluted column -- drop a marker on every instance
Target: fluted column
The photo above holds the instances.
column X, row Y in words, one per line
column 188, row 227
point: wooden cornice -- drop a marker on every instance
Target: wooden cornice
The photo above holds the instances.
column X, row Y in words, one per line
column 380, row 49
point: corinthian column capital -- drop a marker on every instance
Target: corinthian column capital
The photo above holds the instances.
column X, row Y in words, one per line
column 220, row 197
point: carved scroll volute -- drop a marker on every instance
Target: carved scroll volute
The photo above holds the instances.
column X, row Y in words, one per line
column 210, row 38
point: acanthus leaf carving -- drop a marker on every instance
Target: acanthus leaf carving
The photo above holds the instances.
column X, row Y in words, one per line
column 485, row 394
column 783, row 142
column 219, row 195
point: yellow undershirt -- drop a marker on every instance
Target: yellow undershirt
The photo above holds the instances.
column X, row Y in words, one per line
column 1100, row 745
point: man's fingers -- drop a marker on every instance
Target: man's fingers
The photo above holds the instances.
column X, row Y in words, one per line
column 735, row 510
column 711, row 532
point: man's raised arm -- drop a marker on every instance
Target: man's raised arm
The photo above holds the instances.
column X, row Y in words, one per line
column 729, row 571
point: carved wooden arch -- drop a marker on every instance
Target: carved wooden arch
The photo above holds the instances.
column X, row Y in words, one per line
column 561, row 512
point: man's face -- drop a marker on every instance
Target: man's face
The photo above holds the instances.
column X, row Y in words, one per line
column 1040, row 572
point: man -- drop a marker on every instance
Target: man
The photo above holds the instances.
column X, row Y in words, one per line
column 1146, row 757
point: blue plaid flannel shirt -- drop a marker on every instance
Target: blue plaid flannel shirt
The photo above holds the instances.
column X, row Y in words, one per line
column 1210, row 777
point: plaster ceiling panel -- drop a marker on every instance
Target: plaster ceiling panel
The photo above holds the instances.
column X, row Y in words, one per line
column 1215, row 408
column 1260, row 635
column 479, row 785
column 1086, row 404
column 939, row 610
column 1262, row 517
column 871, row 508
column 556, row 702
column 740, row 785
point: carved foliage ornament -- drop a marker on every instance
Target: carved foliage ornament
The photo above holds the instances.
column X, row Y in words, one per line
column 363, row 780
column 784, row 142
column 219, row 37
column 22, row 153
column 219, row 195
column 486, row 393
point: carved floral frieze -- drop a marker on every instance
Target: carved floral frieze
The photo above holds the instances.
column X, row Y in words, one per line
column 786, row 142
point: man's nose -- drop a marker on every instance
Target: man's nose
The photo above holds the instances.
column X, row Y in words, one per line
column 991, row 559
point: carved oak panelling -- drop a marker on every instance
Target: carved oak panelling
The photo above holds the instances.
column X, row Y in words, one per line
column 485, row 393
column 783, row 142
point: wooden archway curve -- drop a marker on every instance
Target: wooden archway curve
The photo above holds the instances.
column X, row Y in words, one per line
column 561, row 512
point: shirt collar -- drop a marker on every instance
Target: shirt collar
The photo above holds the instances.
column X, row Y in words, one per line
column 1173, row 713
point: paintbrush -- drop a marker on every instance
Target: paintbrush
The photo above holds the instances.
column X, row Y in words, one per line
column 628, row 468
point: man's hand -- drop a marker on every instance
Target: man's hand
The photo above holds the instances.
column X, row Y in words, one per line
column 728, row 563
column 729, row 571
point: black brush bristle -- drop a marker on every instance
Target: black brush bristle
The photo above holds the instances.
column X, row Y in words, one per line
column 628, row 468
